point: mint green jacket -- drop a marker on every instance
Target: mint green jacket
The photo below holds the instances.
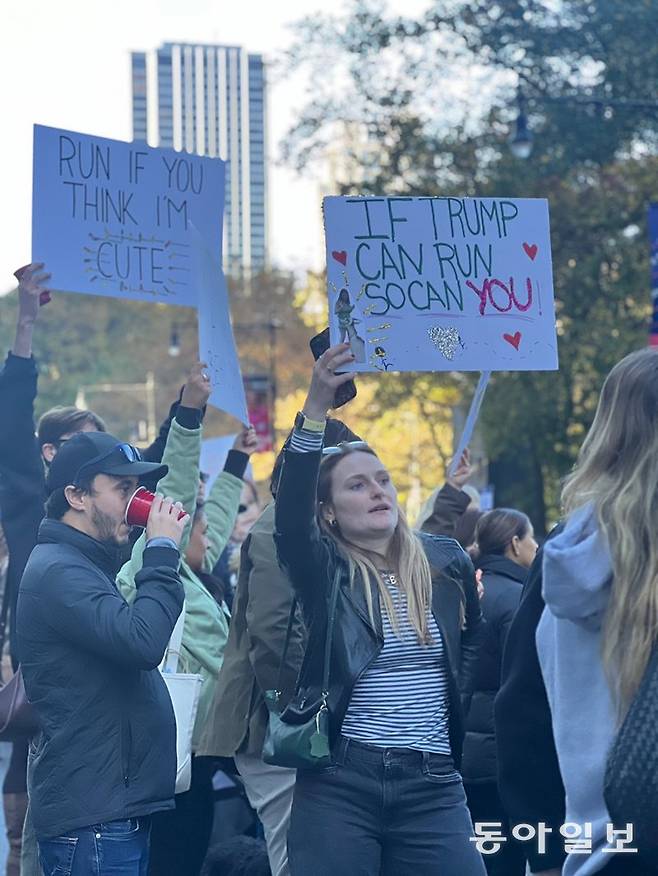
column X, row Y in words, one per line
column 206, row 623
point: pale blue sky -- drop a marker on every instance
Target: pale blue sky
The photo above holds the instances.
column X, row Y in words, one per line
column 67, row 64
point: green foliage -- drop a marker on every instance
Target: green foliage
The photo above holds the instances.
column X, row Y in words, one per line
column 434, row 100
column 83, row 341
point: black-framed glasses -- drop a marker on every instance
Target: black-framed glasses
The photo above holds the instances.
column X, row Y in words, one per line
column 345, row 445
column 129, row 453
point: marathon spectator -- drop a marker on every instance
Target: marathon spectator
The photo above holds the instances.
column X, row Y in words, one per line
column 454, row 509
column 529, row 781
column 106, row 757
column 226, row 568
column 599, row 627
column 24, row 457
column 179, row 838
column 407, row 628
column 252, row 666
column 504, row 550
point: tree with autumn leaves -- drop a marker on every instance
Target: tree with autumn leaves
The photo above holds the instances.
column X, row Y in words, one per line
column 434, row 99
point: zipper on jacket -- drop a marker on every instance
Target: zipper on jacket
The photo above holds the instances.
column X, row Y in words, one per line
column 125, row 745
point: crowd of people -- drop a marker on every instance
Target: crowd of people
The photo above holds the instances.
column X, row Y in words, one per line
column 393, row 700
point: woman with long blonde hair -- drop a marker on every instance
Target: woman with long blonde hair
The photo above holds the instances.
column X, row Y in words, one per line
column 405, row 637
column 600, row 584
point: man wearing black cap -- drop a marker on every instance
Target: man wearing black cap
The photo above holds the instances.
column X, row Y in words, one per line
column 106, row 758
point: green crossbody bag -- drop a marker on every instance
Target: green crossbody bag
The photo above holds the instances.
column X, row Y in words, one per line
column 298, row 736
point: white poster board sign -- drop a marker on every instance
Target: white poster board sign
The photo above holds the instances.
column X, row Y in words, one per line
column 114, row 218
column 441, row 284
column 216, row 342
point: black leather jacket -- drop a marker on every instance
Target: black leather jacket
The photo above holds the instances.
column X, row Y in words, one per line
column 311, row 561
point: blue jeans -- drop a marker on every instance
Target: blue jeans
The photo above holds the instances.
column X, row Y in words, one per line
column 381, row 812
column 114, row 848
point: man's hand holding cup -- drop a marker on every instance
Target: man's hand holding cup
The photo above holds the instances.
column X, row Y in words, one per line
column 167, row 519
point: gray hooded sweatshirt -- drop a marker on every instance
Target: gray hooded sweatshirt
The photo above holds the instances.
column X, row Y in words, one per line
column 577, row 575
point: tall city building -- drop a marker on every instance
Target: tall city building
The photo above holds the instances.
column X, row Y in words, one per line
column 211, row 100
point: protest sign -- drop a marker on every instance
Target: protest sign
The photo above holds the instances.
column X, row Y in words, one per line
column 216, row 342
column 213, row 458
column 114, row 218
column 441, row 283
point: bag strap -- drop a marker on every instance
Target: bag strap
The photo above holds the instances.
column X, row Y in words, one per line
column 172, row 654
column 5, row 609
column 284, row 654
column 328, row 639
column 330, row 633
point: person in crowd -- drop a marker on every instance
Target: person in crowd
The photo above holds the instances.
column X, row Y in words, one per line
column 105, row 759
column 599, row 626
column 407, row 631
column 179, row 838
column 226, row 568
column 529, row 781
column 24, row 457
column 253, row 665
column 505, row 548
column 444, row 509
column 239, row 856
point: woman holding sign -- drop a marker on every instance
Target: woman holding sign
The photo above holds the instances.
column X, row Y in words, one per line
column 398, row 614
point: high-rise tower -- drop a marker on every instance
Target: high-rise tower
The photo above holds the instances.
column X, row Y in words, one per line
column 211, row 100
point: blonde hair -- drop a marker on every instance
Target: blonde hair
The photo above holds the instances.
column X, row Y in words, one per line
column 617, row 471
column 406, row 559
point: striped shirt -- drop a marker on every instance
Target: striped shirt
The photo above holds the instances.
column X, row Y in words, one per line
column 402, row 701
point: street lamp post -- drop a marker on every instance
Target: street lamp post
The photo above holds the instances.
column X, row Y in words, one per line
column 521, row 141
column 147, row 388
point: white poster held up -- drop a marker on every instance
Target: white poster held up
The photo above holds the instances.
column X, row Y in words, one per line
column 216, row 342
column 113, row 218
column 441, row 284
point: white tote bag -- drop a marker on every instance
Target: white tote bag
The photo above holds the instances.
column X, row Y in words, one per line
column 184, row 690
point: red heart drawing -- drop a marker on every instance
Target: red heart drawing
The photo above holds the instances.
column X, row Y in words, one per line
column 514, row 339
column 340, row 256
column 530, row 250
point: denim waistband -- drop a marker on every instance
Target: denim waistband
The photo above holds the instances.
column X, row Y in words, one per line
column 366, row 751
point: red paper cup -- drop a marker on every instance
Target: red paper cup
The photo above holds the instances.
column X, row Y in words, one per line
column 139, row 507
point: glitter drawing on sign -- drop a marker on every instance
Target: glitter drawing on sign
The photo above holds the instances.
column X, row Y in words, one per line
column 447, row 341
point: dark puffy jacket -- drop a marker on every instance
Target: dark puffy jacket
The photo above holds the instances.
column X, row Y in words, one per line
column 312, row 560
column 502, row 580
column 108, row 746
column 529, row 780
column 22, row 473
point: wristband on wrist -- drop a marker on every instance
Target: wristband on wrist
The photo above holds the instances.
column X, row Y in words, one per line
column 307, row 424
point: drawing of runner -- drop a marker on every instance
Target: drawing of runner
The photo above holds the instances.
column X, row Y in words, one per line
column 347, row 325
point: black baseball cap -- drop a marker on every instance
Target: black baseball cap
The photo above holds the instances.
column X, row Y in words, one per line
column 92, row 453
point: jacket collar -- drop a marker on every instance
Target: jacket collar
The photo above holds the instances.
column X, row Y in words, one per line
column 500, row 565
column 108, row 559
